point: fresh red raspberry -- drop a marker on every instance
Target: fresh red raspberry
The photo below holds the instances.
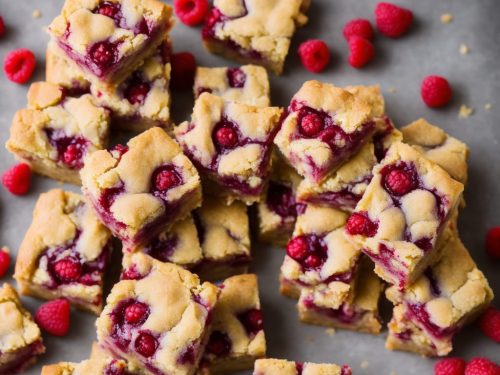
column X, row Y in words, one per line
column 311, row 124
column 136, row 94
column 490, row 324
column 254, row 320
column 19, row 65
column 314, row 54
column 399, row 182
column 183, row 69
column 481, row 366
column 360, row 224
column 4, row 261
column 226, row 137
column 68, row 269
column 54, row 317
column 146, row 344
column 17, row 179
column 435, row 91
column 493, row 242
column 450, row 366
column 72, row 156
column 297, row 248
column 135, row 313
column 361, row 51
column 313, row 261
column 358, row 27
column 2, row 27
column 392, row 21
column 166, row 179
column 191, row 12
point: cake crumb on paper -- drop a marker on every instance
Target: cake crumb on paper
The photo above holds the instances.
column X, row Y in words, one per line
column 446, row 18
column 465, row 111
column 364, row 364
column 488, row 106
column 464, row 49
column 36, row 14
column 392, row 90
column 330, row 331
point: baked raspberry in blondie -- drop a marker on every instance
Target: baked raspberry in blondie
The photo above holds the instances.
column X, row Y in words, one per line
column 158, row 317
column 141, row 189
column 325, row 125
column 448, row 295
column 402, row 214
column 20, row 338
column 358, row 312
column 237, row 338
column 231, row 144
column 179, row 245
column 139, row 103
column 284, row 367
column 99, row 363
column 319, row 253
column 278, row 210
column 248, row 84
column 447, row 152
column 224, row 234
column 57, row 131
column 65, row 252
column 254, row 31
column 109, row 39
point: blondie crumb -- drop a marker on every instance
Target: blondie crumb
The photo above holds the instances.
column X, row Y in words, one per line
column 464, row 49
column 330, row 331
column 446, row 18
column 488, row 106
column 392, row 90
column 465, row 111
column 36, row 14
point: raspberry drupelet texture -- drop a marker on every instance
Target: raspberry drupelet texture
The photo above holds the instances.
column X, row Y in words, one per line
column 19, row 65
column 361, row 51
column 435, row 91
column 450, row 366
column 481, row 366
column 490, row 324
column 54, row 317
column 315, row 55
column 358, row 27
column 4, row 261
column 191, row 12
column 392, row 21
column 17, row 179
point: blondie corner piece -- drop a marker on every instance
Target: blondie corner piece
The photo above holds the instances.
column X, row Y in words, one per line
column 57, row 131
column 65, row 252
column 429, row 313
column 254, row 31
column 108, row 40
column 402, row 214
column 230, row 143
column 248, row 84
column 143, row 188
column 158, row 317
column 325, row 126
column 284, row 367
column 137, row 104
column 20, row 338
column 237, row 338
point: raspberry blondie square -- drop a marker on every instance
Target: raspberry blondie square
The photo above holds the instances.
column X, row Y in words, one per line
column 65, row 252
column 109, row 39
column 231, row 144
column 57, row 131
column 139, row 103
column 99, row 363
column 402, row 214
column 254, row 31
column 141, row 189
column 319, row 253
column 359, row 311
column 429, row 313
column 224, row 234
column 325, row 126
column 20, row 338
column 237, row 338
column 248, row 84
column 158, row 317
column 278, row 210
column 284, row 367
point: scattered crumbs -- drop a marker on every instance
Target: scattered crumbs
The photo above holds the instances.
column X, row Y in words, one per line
column 36, row 14
column 330, row 331
column 392, row 90
column 464, row 49
column 446, row 18
column 364, row 364
column 488, row 106
column 465, row 111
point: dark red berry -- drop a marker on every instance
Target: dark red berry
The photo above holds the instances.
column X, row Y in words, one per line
column 136, row 313
column 4, row 261
column 73, row 155
column 166, row 179
column 493, row 242
column 103, row 54
column 481, row 366
column 108, row 9
column 183, row 69
column 450, row 366
column 191, row 12
column 136, row 94
column 54, row 317
column 2, row 27
column 361, row 51
column 311, row 125
column 358, row 27
column 360, row 224
column 226, row 137
column 68, row 269
column 315, row 55
column 392, row 21
column 253, row 320
column 313, row 261
column 19, row 65
column 399, row 182
column 219, row 344
column 490, row 324
column 17, row 179
column 146, row 344
column 435, row 91
column 236, row 77
column 297, row 248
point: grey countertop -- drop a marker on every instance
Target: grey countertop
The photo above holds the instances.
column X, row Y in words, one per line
column 430, row 48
